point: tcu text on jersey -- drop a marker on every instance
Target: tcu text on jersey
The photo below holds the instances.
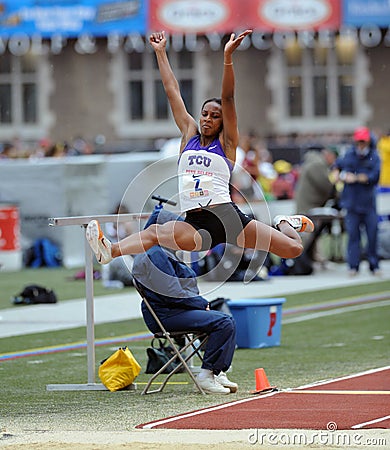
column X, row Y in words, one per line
column 200, row 160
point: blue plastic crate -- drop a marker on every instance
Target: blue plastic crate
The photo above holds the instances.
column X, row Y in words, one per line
column 258, row 321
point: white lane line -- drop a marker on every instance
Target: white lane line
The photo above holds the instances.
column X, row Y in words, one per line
column 336, row 392
column 346, row 377
column 335, row 311
column 206, row 410
column 361, row 425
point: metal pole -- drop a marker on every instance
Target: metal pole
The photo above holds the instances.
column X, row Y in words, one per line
column 90, row 319
column 90, row 313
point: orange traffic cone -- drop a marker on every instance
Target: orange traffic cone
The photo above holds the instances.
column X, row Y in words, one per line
column 262, row 383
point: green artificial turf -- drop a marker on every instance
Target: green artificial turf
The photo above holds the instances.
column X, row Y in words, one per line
column 312, row 350
column 60, row 279
column 67, row 288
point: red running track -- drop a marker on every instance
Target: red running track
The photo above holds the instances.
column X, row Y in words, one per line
column 356, row 402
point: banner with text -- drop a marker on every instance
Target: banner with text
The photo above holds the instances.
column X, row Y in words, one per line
column 202, row 16
column 72, row 19
column 277, row 15
column 365, row 13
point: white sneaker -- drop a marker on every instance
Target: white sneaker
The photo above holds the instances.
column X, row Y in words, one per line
column 99, row 244
column 224, row 380
column 211, row 386
column 298, row 222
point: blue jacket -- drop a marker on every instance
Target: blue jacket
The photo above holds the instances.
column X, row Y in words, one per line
column 170, row 285
column 360, row 197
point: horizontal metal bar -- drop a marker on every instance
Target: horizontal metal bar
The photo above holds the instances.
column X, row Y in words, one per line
column 84, row 220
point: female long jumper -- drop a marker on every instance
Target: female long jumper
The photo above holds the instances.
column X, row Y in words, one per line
column 207, row 156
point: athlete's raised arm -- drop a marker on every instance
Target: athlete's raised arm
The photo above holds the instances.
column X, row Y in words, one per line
column 185, row 122
column 230, row 129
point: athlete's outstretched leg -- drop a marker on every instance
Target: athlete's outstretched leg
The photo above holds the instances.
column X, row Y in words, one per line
column 176, row 235
column 283, row 241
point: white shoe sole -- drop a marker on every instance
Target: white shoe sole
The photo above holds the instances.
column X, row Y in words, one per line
column 92, row 235
column 216, row 392
column 233, row 389
column 299, row 222
column 216, row 389
column 99, row 244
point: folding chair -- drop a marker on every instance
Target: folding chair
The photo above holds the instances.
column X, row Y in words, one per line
column 194, row 342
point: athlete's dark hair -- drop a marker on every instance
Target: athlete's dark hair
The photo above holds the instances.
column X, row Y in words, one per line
column 214, row 99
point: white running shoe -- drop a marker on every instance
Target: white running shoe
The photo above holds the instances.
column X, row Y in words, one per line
column 99, row 244
column 298, row 222
column 211, row 386
column 224, row 380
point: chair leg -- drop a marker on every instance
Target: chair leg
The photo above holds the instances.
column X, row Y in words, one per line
column 183, row 363
column 159, row 372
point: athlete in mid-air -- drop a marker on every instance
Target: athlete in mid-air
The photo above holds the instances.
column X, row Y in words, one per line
column 207, row 156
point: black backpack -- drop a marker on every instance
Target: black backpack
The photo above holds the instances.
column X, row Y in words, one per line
column 34, row 294
column 159, row 356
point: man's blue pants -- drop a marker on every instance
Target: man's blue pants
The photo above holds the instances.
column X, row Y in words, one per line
column 220, row 327
column 353, row 223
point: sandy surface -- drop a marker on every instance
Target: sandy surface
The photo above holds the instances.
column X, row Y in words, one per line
column 196, row 439
column 138, row 439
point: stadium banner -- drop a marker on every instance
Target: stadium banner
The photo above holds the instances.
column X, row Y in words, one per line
column 292, row 15
column 48, row 18
column 198, row 17
column 362, row 13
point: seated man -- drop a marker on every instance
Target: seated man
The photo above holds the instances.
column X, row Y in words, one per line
column 172, row 290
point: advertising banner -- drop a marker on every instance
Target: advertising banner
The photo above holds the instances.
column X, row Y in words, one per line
column 295, row 15
column 364, row 13
column 24, row 24
column 46, row 18
column 201, row 16
column 71, row 19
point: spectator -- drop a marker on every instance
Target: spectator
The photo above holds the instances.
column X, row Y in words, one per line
column 41, row 149
column 359, row 170
column 79, row 147
column 282, row 188
column 314, row 187
column 267, row 172
column 56, row 150
column 251, row 158
column 246, row 170
column 7, row 151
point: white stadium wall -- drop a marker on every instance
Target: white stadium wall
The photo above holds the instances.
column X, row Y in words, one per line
column 80, row 186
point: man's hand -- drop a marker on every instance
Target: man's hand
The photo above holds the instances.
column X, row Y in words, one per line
column 362, row 178
column 348, row 177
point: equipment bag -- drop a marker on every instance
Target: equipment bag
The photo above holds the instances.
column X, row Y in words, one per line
column 119, row 370
column 158, row 356
column 34, row 294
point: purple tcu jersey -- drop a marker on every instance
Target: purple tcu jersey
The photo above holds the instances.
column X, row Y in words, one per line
column 204, row 175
